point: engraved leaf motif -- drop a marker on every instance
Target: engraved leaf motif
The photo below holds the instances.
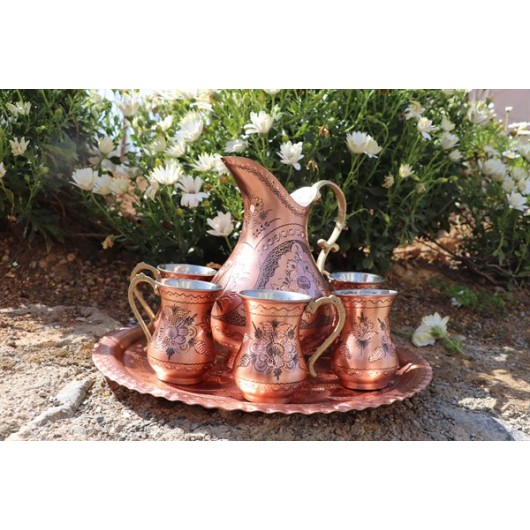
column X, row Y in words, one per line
column 258, row 332
column 376, row 355
column 245, row 360
column 201, row 347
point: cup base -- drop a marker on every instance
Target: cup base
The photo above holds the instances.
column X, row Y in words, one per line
column 179, row 374
column 261, row 399
column 266, row 392
column 374, row 385
column 180, row 381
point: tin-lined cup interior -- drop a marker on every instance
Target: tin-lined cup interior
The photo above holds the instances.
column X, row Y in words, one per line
column 186, row 268
column 356, row 277
column 279, row 296
column 365, row 292
column 192, row 285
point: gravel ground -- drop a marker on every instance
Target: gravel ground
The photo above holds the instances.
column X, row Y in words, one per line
column 51, row 390
column 56, row 307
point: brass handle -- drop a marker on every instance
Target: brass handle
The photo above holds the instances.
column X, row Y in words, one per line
column 145, row 266
column 311, row 308
column 133, row 292
column 156, row 273
column 340, row 223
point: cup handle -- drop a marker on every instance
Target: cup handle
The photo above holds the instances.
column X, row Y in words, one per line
column 142, row 266
column 156, row 273
column 340, row 223
column 133, row 292
column 311, row 308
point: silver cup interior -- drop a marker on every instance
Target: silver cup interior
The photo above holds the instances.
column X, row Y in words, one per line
column 365, row 292
column 186, row 268
column 356, row 277
column 278, row 296
column 192, row 285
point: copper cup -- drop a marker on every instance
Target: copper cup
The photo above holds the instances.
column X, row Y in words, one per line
column 270, row 366
column 180, row 349
column 185, row 271
column 364, row 356
column 355, row 280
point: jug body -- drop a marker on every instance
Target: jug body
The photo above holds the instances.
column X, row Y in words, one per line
column 272, row 253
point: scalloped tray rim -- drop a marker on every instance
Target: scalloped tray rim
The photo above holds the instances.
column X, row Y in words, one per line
column 114, row 343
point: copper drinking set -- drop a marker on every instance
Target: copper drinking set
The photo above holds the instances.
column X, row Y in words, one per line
column 271, row 307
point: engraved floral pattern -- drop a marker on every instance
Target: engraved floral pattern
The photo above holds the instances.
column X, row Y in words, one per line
column 177, row 331
column 363, row 331
column 387, row 348
column 273, row 350
column 257, row 218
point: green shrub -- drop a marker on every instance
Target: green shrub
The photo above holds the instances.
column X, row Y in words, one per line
column 40, row 136
column 493, row 202
column 144, row 170
column 388, row 204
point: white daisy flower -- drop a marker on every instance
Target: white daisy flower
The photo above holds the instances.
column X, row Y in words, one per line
column 260, row 123
column 291, row 154
column 448, row 140
column 85, row 178
column 166, row 175
column 222, row 225
column 237, row 145
column 414, row 110
column 516, row 201
column 362, row 143
column 425, row 126
column 18, row 147
column 405, row 170
column 192, row 194
column 205, row 162
column 424, row 335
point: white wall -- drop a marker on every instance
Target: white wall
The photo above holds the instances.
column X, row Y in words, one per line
column 518, row 98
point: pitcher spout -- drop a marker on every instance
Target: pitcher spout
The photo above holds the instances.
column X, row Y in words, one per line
column 257, row 185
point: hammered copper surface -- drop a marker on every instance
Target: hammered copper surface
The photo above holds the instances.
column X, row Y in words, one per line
column 120, row 356
column 273, row 253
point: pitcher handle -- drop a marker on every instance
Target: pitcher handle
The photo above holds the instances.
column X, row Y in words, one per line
column 311, row 308
column 156, row 273
column 133, row 292
column 340, row 223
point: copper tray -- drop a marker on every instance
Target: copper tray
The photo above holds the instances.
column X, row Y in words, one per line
column 120, row 356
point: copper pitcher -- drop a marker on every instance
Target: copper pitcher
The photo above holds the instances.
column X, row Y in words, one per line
column 270, row 367
column 273, row 253
column 364, row 356
column 181, row 349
